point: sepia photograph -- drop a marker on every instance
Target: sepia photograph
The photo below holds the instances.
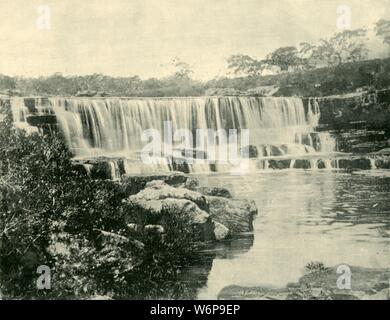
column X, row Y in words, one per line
column 194, row 150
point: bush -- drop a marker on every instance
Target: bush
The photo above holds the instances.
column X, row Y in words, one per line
column 53, row 215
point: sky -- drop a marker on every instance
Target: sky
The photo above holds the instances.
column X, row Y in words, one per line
column 141, row 37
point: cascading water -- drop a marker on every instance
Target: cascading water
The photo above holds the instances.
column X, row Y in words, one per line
column 279, row 128
column 19, row 114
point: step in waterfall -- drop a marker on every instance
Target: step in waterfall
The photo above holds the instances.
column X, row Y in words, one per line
column 278, row 128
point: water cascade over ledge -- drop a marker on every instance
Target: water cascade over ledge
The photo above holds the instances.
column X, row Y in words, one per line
column 279, row 128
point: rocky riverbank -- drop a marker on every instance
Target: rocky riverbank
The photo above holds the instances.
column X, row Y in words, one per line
column 321, row 283
column 212, row 211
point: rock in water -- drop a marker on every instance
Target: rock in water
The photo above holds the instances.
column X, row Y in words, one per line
column 214, row 191
column 220, row 231
column 134, row 184
column 250, row 151
column 158, row 189
column 214, row 217
column 158, row 200
column 236, row 215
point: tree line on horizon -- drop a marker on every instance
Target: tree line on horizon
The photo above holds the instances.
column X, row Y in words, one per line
column 343, row 47
column 348, row 46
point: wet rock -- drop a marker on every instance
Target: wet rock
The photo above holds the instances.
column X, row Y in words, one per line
column 321, row 164
column 214, row 191
column 383, row 163
column 236, row 215
column 364, row 280
column 302, row 164
column 40, row 120
column 251, row 293
column 276, row 151
column 30, row 104
column 158, row 189
column 191, row 184
column 366, row 284
column 215, row 217
column 367, row 147
column 133, row 184
column 100, row 168
column 220, row 231
column 381, row 295
column 179, row 164
column 385, row 151
column 360, row 163
column 344, row 111
column 110, row 169
column 191, row 153
column 158, row 212
column 250, row 151
column 360, row 141
column 158, row 201
column 279, row 164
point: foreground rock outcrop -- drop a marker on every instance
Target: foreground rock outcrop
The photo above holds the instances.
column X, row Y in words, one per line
column 214, row 217
column 237, row 215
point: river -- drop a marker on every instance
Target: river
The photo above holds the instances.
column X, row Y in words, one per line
column 328, row 216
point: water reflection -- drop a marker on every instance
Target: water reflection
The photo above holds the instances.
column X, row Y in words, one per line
column 304, row 216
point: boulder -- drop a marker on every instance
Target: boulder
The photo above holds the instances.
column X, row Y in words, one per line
column 220, row 231
column 154, row 229
column 381, row 295
column 159, row 212
column 356, row 163
column 30, row 104
column 250, row 151
column 158, row 202
column 158, row 189
column 279, row 164
column 214, row 191
column 302, row 164
column 133, row 184
column 215, row 217
column 191, row 184
column 236, row 215
column 100, row 168
column 366, row 284
column 383, row 163
column 39, row 120
column 385, row 151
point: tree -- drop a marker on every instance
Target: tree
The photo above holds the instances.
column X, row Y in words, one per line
column 284, row 58
column 182, row 69
column 245, row 65
column 345, row 46
column 350, row 45
column 324, row 54
column 382, row 29
column 305, row 53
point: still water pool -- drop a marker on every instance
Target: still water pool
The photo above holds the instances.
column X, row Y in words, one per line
column 327, row 216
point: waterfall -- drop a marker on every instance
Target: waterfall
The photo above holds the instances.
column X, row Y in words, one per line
column 373, row 163
column 114, row 127
column 19, row 115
